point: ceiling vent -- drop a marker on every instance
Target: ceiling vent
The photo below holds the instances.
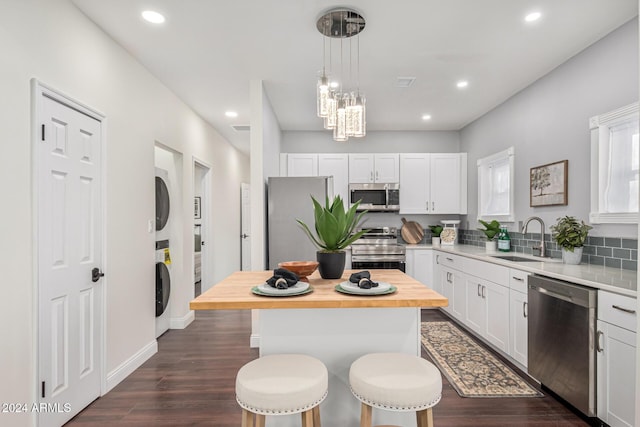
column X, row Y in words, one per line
column 405, row 81
column 241, row 128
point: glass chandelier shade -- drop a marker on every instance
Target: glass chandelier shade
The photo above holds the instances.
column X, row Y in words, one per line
column 322, row 95
column 343, row 111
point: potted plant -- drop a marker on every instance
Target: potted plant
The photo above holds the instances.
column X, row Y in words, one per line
column 334, row 232
column 435, row 231
column 490, row 230
column 570, row 234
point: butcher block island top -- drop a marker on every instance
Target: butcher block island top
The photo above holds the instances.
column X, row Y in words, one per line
column 234, row 293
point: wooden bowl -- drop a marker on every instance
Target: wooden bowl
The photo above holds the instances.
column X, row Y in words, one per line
column 301, row 268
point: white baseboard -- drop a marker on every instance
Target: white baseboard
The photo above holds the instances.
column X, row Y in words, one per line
column 128, row 366
column 182, row 322
column 254, row 341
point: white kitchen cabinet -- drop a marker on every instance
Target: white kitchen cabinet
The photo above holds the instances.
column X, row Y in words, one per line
column 453, row 287
column 487, row 310
column 433, row 183
column 302, row 164
column 616, row 359
column 419, row 265
column 337, row 166
column 448, row 173
column 365, row 168
column 414, row 183
column 518, row 312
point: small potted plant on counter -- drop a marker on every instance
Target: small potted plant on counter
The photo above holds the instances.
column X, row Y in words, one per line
column 334, row 232
column 490, row 230
column 570, row 234
column 435, row 234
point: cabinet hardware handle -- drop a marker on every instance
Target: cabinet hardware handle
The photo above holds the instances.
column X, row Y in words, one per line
column 376, row 175
column 449, row 259
column 524, row 310
column 599, row 348
column 517, row 278
column 483, row 289
column 626, row 310
column 371, row 175
column 438, row 259
column 433, row 206
column 479, row 289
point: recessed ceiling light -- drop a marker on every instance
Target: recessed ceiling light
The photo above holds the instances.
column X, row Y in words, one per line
column 231, row 114
column 462, row 84
column 334, row 84
column 153, row 17
column 533, row 16
column 426, row 117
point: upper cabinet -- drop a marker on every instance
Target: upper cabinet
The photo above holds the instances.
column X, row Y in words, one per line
column 337, row 166
column 302, row 164
column 433, row 183
column 366, row 168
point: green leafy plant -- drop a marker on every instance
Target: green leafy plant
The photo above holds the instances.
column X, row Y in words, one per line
column 436, row 230
column 491, row 229
column 334, row 226
column 570, row 233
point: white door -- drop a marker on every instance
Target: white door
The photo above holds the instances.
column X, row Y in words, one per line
column 69, row 249
column 518, row 343
column 245, row 232
column 360, row 168
column 387, row 168
column 302, row 164
column 414, row 183
column 337, row 166
column 445, row 183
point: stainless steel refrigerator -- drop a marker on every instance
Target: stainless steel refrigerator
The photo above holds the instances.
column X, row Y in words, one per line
column 288, row 199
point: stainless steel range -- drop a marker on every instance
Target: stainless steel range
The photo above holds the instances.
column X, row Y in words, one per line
column 378, row 249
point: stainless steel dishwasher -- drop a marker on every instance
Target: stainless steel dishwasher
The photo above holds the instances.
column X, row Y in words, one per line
column 562, row 322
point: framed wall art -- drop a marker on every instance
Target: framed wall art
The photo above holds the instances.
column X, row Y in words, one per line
column 548, row 184
column 197, row 212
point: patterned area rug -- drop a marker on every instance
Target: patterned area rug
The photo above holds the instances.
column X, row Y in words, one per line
column 471, row 370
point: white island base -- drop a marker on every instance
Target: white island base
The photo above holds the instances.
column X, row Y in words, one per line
column 337, row 337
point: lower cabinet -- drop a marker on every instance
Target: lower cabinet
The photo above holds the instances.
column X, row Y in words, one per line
column 518, row 325
column 419, row 265
column 453, row 287
column 616, row 359
column 488, row 311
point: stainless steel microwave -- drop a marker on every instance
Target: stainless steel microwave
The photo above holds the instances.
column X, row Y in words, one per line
column 375, row 197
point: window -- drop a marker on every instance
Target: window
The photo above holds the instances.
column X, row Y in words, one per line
column 495, row 186
column 614, row 166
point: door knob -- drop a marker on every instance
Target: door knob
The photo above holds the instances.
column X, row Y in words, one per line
column 244, row 236
column 96, row 274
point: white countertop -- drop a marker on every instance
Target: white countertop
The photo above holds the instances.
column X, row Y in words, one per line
column 616, row 280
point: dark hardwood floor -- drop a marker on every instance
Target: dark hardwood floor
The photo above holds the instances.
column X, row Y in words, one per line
column 191, row 381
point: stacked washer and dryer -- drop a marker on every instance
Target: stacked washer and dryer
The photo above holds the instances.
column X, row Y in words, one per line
column 163, row 256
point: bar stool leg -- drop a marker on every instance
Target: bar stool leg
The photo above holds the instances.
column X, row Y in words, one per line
column 307, row 418
column 316, row 416
column 425, row 418
column 260, row 420
column 247, row 418
column 365, row 416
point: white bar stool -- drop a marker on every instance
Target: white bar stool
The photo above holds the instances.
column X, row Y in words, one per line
column 281, row 384
column 396, row 382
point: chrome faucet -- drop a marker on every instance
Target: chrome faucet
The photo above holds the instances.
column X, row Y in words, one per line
column 524, row 230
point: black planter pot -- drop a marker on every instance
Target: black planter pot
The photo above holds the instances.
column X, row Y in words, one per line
column 331, row 264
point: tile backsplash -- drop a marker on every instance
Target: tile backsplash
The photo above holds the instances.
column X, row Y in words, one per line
column 614, row 252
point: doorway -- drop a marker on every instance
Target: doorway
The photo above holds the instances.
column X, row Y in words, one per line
column 69, row 204
column 202, row 271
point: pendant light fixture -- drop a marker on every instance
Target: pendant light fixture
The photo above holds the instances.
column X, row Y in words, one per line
column 342, row 110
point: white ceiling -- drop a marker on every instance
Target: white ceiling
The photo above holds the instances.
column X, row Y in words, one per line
column 208, row 51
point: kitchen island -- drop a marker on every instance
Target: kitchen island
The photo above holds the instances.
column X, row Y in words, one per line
column 334, row 327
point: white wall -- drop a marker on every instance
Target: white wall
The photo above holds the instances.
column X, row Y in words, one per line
column 373, row 142
column 52, row 41
column 266, row 140
column 548, row 122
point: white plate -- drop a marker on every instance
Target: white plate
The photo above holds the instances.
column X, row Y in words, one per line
column 353, row 287
column 295, row 289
